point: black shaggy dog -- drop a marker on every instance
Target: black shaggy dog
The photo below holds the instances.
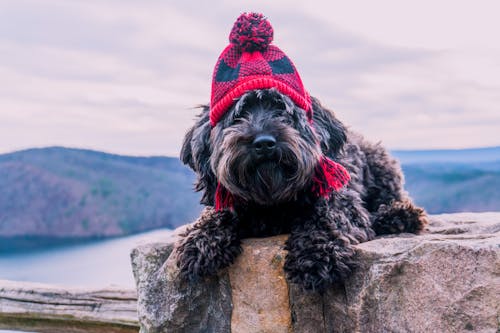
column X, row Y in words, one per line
column 265, row 152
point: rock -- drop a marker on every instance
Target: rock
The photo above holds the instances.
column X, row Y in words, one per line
column 446, row 280
column 168, row 304
column 260, row 294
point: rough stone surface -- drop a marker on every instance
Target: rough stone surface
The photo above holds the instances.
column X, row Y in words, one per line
column 167, row 304
column 446, row 280
column 260, row 294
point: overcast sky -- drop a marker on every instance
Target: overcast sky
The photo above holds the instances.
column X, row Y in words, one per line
column 123, row 76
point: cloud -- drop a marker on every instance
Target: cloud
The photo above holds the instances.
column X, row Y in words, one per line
column 123, row 76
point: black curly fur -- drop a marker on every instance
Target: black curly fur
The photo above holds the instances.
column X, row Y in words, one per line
column 274, row 196
column 397, row 217
column 212, row 243
column 320, row 248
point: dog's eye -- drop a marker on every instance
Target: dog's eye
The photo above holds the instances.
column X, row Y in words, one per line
column 286, row 111
column 286, row 114
column 239, row 116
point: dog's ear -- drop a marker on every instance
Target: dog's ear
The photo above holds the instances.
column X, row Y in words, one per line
column 331, row 132
column 186, row 152
column 196, row 152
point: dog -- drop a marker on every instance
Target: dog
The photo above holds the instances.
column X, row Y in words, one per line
column 275, row 161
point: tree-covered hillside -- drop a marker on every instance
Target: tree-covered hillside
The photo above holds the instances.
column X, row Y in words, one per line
column 453, row 180
column 61, row 192
column 454, row 187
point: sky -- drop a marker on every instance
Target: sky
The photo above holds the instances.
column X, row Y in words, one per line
column 125, row 76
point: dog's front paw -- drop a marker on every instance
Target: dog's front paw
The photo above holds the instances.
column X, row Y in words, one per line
column 211, row 245
column 315, row 264
column 398, row 217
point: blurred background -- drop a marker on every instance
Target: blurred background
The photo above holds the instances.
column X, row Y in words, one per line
column 95, row 97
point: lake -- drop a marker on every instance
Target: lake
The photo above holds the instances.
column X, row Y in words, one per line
column 97, row 264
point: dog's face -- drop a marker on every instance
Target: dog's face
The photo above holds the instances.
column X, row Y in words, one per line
column 264, row 150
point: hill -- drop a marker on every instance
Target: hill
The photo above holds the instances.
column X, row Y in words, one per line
column 53, row 195
column 448, row 181
column 73, row 193
column 450, row 187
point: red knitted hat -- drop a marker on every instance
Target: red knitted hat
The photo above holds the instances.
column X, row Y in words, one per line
column 249, row 63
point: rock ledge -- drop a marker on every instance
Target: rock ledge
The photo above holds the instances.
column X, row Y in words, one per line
column 447, row 280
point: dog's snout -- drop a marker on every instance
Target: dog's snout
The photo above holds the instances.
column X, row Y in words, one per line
column 264, row 144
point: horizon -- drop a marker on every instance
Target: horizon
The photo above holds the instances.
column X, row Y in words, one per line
column 124, row 77
column 176, row 156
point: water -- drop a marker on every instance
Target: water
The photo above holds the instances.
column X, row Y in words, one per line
column 97, row 264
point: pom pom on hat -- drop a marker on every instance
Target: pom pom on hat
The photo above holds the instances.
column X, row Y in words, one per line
column 251, row 32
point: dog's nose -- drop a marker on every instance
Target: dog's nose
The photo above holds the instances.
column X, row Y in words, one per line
column 264, row 144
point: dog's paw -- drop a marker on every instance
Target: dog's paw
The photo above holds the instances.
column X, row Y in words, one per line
column 317, row 265
column 210, row 245
column 200, row 256
column 398, row 217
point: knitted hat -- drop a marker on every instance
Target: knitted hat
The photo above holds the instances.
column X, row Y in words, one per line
column 249, row 63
